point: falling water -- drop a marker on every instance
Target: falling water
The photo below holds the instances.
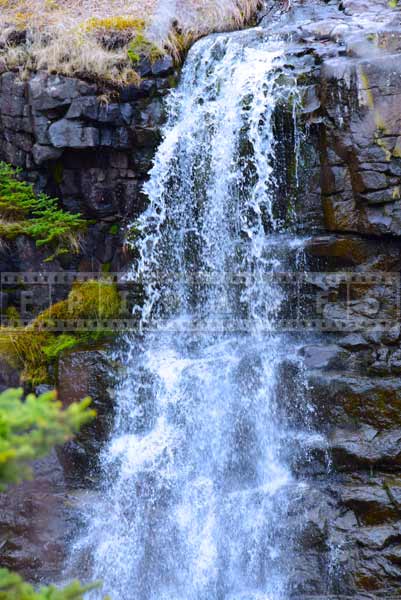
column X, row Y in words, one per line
column 194, row 483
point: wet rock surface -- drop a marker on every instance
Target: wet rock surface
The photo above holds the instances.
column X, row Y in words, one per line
column 95, row 155
column 350, row 370
column 80, row 374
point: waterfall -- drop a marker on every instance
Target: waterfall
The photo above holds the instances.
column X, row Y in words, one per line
column 194, row 492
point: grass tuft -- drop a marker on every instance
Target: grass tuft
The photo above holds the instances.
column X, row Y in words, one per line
column 103, row 40
column 34, row 348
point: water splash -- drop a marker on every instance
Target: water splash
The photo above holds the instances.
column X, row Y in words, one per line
column 193, row 497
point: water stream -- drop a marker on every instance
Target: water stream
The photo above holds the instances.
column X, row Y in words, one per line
column 194, row 492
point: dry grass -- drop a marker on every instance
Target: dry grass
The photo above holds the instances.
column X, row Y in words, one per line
column 91, row 37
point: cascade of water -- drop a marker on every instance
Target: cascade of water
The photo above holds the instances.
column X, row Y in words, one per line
column 193, row 495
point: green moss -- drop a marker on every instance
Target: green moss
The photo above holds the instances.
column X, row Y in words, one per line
column 379, row 141
column 114, row 23
column 393, row 3
column 391, row 496
column 132, row 233
column 58, row 171
column 22, row 212
column 366, row 88
column 140, row 46
column 12, row 314
column 397, row 150
column 59, row 344
column 114, row 229
column 172, row 81
column 34, row 348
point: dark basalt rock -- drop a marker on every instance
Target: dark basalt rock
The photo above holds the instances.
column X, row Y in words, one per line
column 81, row 374
column 75, row 143
column 35, row 521
column 95, row 153
column 64, row 134
column 366, row 447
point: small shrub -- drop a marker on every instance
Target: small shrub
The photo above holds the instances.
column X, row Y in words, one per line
column 12, row 587
column 30, row 427
column 141, row 47
column 22, row 212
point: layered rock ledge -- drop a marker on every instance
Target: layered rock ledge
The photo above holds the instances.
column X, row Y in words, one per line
column 94, row 154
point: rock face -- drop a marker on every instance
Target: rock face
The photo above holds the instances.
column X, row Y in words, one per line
column 89, row 147
column 92, row 149
column 350, row 369
column 39, row 517
column 35, row 521
column 94, row 153
column 80, row 374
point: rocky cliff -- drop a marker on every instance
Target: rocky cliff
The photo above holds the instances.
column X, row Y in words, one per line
column 94, row 151
column 88, row 146
column 352, row 369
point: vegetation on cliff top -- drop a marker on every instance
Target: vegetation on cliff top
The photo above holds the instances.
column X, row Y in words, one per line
column 104, row 40
column 22, row 212
column 34, row 348
column 29, row 429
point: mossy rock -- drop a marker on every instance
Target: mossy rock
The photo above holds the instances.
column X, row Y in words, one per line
column 35, row 349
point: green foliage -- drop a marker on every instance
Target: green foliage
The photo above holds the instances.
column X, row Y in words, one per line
column 58, row 344
column 33, row 348
column 22, row 212
column 30, row 428
column 140, row 47
column 58, row 171
column 12, row 587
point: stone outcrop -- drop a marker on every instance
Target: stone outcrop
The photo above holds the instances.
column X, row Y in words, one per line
column 80, row 374
column 94, row 153
column 91, row 148
column 349, row 371
column 35, row 521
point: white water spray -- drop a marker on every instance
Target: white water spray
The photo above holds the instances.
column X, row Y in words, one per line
column 193, row 496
